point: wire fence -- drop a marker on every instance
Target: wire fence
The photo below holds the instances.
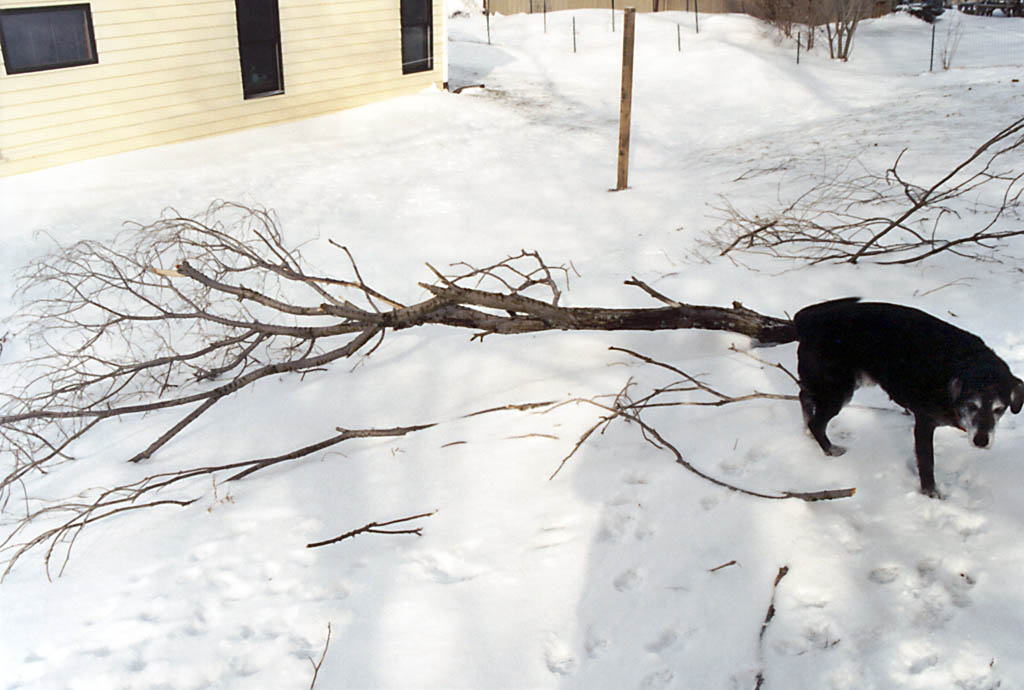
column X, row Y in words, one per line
column 538, row 6
column 959, row 43
column 957, row 40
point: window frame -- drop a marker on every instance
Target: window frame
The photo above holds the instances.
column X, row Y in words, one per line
column 89, row 31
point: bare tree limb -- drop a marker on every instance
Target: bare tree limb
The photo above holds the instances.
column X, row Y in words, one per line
column 375, row 528
column 346, row 434
column 625, row 408
column 113, row 501
column 849, row 216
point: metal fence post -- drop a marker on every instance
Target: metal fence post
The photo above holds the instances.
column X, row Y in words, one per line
column 931, row 59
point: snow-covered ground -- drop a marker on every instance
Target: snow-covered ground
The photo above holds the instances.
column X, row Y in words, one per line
column 606, row 576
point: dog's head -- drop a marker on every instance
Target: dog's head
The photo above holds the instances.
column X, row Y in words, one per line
column 980, row 400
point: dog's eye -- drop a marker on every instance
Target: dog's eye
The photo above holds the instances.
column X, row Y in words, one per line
column 972, row 407
column 998, row 410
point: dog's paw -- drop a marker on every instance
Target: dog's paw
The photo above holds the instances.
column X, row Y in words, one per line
column 835, row 451
column 932, row 493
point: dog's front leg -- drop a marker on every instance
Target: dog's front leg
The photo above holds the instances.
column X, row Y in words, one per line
column 924, row 450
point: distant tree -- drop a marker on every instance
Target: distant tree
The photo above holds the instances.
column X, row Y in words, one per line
column 813, row 20
column 782, row 14
column 839, row 17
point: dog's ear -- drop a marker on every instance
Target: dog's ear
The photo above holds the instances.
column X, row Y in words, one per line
column 955, row 386
column 1017, row 397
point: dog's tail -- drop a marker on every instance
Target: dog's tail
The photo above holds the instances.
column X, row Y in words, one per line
column 806, row 319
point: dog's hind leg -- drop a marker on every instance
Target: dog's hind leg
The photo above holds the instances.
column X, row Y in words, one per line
column 924, row 450
column 825, row 387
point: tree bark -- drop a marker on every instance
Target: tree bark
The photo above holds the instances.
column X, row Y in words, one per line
column 453, row 307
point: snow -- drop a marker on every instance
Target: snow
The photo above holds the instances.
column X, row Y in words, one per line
column 606, row 576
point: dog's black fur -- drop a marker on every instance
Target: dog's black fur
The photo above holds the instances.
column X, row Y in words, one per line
column 945, row 376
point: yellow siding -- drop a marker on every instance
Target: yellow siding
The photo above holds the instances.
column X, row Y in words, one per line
column 170, row 72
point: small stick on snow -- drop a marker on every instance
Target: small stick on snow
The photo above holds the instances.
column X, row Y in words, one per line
column 374, row 528
column 720, row 567
column 764, row 626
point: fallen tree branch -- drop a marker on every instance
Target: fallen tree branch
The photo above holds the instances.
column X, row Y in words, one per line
column 119, row 499
column 625, row 408
column 120, row 334
column 375, row 528
column 847, row 215
column 82, row 512
column 185, row 312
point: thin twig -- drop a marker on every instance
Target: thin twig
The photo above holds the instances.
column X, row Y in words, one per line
column 323, row 655
column 777, row 365
column 636, row 282
column 764, row 626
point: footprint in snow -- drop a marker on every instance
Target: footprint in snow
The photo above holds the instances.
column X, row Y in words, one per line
column 629, row 580
column 445, row 568
column 614, row 527
column 918, row 656
column 627, row 515
column 618, row 526
column 560, row 659
column 595, row 643
column 884, row 574
column 636, row 479
column 667, row 639
column 659, row 679
column 552, row 536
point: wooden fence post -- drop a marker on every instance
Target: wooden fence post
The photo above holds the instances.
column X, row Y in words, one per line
column 625, row 107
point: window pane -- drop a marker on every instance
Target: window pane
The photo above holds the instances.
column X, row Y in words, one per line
column 260, row 68
column 257, row 19
column 417, row 29
column 415, row 50
column 46, row 38
column 415, row 12
column 259, row 47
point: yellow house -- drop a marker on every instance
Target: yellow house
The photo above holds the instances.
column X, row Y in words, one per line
column 87, row 79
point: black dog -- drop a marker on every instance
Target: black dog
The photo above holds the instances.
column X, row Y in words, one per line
column 944, row 375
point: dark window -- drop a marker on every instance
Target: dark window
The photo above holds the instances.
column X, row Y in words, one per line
column 38, row 38
column 417, row 36
column 259, row 47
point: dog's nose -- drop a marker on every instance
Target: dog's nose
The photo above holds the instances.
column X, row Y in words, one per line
column 981, row 440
